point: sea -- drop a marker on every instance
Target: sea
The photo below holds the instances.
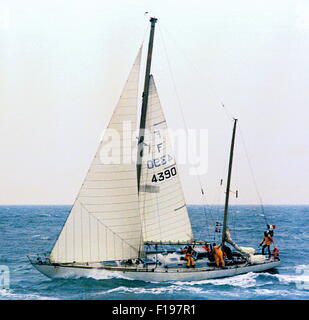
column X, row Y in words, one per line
column 33, row 229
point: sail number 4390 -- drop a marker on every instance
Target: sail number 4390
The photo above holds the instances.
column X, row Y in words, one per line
column 166, row 174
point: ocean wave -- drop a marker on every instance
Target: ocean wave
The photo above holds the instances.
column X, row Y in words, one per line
column 99, row 275
column 289, row 282
column 299, row 280
column 278, row 293
column 40, row 237
column 156, row 291
column 244, row 280
column 25, row 267
column 11, row 295
column 300, row 276
column 248, row 280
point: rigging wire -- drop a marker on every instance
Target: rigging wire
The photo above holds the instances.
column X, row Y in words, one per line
column 236, row 183
column 184, row 121
column 228, row 114
column 231, row 117
column 197, row 70
column 253, row 176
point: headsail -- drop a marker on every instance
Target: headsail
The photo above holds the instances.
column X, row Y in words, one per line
column 104, row 223
column 163, row 209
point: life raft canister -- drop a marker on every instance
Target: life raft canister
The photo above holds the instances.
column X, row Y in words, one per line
column 276, row 252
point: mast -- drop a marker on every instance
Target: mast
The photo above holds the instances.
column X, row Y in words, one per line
column 145, row 103
column 227, row 194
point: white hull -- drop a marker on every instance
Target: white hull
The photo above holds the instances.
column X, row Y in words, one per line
column 157, row 275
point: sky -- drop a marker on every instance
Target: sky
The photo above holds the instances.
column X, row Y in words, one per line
column 63, row 65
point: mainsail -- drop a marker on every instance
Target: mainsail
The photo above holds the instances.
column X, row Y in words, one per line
column 163, row 209
column 104, row 223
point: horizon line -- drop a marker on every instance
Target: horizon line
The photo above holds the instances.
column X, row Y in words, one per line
column 189, row 204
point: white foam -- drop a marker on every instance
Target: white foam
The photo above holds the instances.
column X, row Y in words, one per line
column 10, row 295
column 245, row 281
column 102, row 275
column 298, row 279
column 301, row 276
column 281, row 293
column 159, row 290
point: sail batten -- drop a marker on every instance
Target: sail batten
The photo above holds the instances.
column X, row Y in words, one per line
column 163, row 209
column 104, row 223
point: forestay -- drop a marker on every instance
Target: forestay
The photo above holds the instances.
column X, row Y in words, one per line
column 163, row 209
column 104, row 223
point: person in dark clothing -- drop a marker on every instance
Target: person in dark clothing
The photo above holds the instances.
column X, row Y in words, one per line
column 227, row 252
column 210, row 255
column 271, row 232
column 188, row 256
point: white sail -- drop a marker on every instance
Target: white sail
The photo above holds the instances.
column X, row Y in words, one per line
column 104, row 223
column 163, row 209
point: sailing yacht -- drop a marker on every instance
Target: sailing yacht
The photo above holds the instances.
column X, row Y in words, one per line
column 127, row 207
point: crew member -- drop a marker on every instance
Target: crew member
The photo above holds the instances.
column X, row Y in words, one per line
column 188, row 256
column 206, row 247
column 218, row 255
column 227, row 252
column 268, row 240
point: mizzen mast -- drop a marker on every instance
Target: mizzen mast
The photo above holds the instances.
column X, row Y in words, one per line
column 140, row 147
column 227, row 194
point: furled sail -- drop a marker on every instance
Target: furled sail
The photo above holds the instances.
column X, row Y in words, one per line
column 104, row 223
column 163, row 209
